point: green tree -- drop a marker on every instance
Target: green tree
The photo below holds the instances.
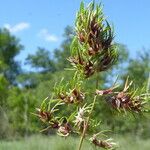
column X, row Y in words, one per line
column 3, row 91
column 41, row 60
column 21, row 102
column 61, row 54
column 9, row 49
column 139, row 68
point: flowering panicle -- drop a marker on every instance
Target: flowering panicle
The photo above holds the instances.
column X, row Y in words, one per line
column 44, row 116
column 126, row 102
column 94, row 37
column 92, row 51
column 64, row 129
column 106, row 144
column 123, row 100
column 80, row 118
column 74, row 97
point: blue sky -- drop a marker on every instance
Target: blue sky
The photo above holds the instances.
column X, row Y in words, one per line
column 42, row 22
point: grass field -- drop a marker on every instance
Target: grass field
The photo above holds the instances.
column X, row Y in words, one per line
column 57, row 143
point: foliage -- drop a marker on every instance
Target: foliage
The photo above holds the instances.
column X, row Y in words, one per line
column 9, row 48
column 139, row 69
column 41, row 60
column 3, row 88
column 44, row 61
column 21, row 104
column 63, row 52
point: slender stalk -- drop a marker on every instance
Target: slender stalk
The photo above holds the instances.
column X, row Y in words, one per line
column 86, row 124
column 97, row 79
column 88, row 119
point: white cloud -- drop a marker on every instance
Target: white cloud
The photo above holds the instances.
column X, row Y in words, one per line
column 47, row 36
column 18, row 27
